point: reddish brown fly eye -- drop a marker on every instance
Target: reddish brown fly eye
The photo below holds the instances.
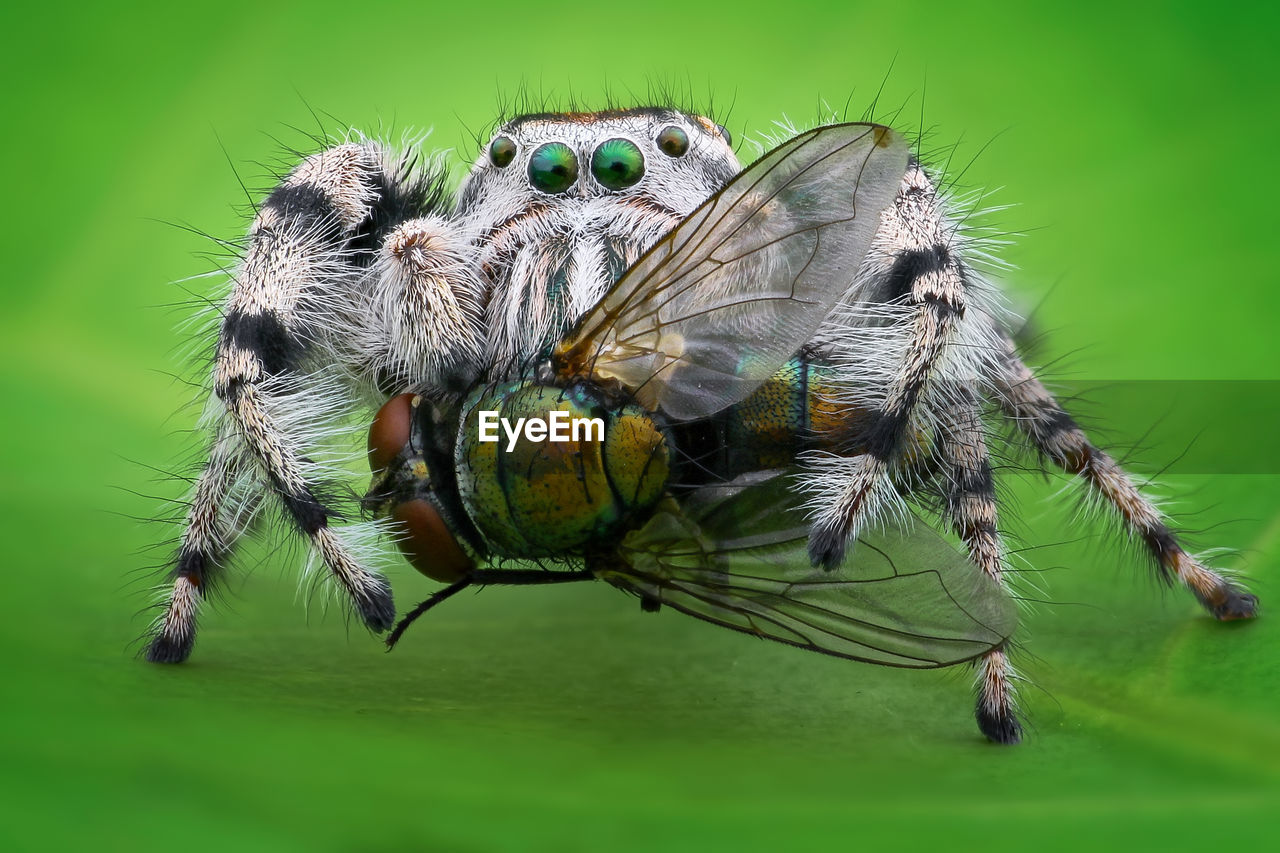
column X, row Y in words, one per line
column 390, row 431
column 428, row 544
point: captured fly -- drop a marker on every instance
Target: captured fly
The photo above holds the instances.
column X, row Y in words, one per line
column 692, row 368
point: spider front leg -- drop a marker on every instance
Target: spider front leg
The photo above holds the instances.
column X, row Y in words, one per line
column 1054, row 433
column 914, row 270
column 298, row 310
column 422, row 326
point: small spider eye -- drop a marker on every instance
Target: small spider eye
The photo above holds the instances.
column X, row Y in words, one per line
column 617, row 163
column 673, row 141
column 724, row 131
column 502, row 151
column 553, row 168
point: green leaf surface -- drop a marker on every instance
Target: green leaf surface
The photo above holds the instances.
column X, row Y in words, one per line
column 564, row 718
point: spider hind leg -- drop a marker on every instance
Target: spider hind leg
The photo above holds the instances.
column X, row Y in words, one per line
column 1056, row 435
column 969, row 498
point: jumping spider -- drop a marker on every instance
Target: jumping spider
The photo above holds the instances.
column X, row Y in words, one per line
column 363, row 278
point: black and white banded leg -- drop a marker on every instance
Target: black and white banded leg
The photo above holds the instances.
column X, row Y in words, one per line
column 920, row 277
column 292, row 356
column 223, row 504
column 1059, row 438
column 970, row 500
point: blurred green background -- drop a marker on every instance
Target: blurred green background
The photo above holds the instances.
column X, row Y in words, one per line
column 1136, row 146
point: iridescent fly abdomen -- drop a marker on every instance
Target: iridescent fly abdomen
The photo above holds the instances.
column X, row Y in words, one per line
column 795, row 410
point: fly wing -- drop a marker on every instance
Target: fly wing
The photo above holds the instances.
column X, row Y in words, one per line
column 904, row 598
column 719, row 304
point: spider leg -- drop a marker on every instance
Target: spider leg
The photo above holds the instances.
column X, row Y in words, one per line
column 293, row 313
column 423, row 317
column 970, row 501
column 1026, row 401
column 922, row 279
column 213, row 523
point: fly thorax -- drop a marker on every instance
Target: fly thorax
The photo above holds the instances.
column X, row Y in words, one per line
column 549, row 471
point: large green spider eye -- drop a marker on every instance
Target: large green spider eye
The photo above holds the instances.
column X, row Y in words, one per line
column 673, row 141
column 501, row 151
column 617, row 163
column 553, row 168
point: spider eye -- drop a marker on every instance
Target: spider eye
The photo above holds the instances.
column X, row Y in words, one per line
column 617, row 163
column 502, row 151
column 673, row 141
column 553, row 168
column 724, row 131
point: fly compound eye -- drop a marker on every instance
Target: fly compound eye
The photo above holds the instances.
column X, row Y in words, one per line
column 390, row 431
column 553, row 168
column 673, row 141
column 427, row 542
column 617, row 164
column 502, row 151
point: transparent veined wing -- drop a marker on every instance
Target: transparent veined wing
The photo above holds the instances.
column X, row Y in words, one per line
column 719, row 304
column 736, row 556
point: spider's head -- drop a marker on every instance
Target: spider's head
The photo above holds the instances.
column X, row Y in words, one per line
column 651, row 155
column 563, row 203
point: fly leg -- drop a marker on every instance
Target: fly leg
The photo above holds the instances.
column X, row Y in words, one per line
column 486, row 577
